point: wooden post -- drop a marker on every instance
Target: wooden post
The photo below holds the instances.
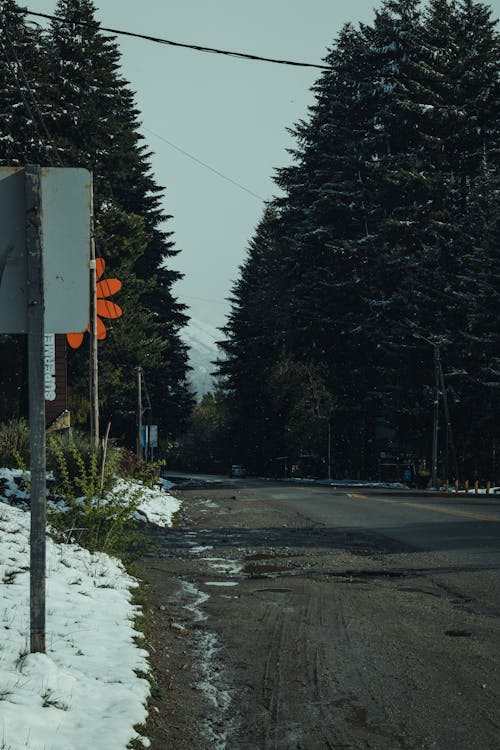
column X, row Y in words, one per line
column 435, row 427
column 476, row 486
column 466, row 486
column 329, row 447
column 36, row 331
column 139, row 413
column 94, row 372
column 488, row 487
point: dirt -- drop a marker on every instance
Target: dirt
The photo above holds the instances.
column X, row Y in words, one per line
column 267, row 631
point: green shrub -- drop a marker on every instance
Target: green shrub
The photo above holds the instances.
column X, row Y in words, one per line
column 15, row 444
column 77, row 465
column 84, row 508
column 132, row 466
column 100, row 525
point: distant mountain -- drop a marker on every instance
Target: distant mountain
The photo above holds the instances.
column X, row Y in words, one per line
column 200, row 337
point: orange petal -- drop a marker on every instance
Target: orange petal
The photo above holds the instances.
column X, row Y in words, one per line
column 100, row 264
column 108, row 309
column 107, row 287
column 74, row 339
column 101, row 330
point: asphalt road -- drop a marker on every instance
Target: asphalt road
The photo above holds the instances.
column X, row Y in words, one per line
column 463, row 524
column 301, row 617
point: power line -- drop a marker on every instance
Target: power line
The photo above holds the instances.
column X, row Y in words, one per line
column 196, row 47
column 205, row 299
column 204, row 164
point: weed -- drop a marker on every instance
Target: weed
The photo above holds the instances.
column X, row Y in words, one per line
column 9, row 576
column 103, row 521
column 132, row 466
column 14, row 444
column 48, row 700
column 23, row 653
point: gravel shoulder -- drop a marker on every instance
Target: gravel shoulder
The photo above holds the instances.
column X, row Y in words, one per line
column 266, row 630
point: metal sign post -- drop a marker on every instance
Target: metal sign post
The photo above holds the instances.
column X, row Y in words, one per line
column 36, row 374
column 44, row 267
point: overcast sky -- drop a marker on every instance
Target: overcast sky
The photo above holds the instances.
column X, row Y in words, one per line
column 230, row 114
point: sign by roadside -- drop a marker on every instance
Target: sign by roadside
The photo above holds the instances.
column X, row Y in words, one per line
column 65, row 234
column 45, row 242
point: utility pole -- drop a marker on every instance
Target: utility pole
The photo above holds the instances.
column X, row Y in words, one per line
column 435, row 430
column 435, row 426
column 139, row 412
column 329, row 447
column 150, row 419
column 450, row 442
column 94, row 371
column 36, row 336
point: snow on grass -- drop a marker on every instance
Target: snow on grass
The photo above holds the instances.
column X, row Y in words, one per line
column 89, row 689
column 155, row 505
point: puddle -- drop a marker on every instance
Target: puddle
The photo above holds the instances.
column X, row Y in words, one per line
column 457, row 633
column 220, row 564
column 201, row 548
column 221, row 583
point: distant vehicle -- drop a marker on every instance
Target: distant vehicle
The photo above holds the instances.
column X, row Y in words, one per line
column 237, row 470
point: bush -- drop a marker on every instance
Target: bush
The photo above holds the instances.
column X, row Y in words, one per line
column 99, row 524
column 78, row 467
column 130, row 465
column 84, row 508
column 15, row 444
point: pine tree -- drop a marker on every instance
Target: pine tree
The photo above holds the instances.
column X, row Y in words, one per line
column 375, row 221
column 253, row 336
column 23, row 136
column 87, row 117
column 97, row 126
column 22, row 141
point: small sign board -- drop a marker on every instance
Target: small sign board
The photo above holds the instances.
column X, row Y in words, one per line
column 66, row 225
column 153, row 435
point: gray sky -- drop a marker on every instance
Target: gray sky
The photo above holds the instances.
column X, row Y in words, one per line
column 230, row 114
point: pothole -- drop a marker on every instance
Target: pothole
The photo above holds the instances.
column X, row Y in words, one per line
column 458, row 633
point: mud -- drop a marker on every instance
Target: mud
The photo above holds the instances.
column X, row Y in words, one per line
column 270, row 632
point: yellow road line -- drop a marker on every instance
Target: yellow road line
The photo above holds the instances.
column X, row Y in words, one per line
column 433, row 508
column 354, row 494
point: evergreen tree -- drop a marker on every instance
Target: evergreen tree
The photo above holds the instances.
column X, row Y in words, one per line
column 89, row 119
column 23, row 136
column 373, row 228
column 22, row 141
column 253, row 336
column 97, row 126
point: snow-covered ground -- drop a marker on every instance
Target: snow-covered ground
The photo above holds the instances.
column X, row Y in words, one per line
column 89, row 690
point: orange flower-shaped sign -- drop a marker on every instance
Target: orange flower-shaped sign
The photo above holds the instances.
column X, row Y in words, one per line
column 105, row 308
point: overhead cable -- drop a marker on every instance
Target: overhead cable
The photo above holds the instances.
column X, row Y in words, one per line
column 204, row 164
column 196, row 47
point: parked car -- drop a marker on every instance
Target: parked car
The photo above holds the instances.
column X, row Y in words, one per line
column 237, row 470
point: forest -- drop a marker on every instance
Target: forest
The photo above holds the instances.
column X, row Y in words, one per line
column 364, row 318
column 64, row 103
column 370, row 289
